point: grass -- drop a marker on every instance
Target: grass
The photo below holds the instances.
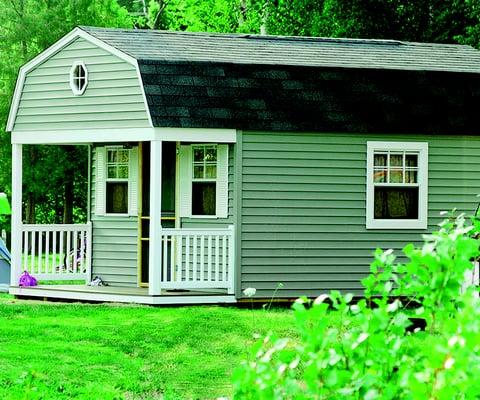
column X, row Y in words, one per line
column 57, row 260
column 82, row 351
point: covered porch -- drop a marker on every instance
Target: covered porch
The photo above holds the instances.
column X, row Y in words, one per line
column 185, row 265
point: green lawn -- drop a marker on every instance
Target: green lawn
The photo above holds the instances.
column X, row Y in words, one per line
column 82, row 351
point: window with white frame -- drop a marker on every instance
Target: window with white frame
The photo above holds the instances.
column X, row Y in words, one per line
column 204, row 181
column 78, row 78
column 397, row 185
column 116, row 181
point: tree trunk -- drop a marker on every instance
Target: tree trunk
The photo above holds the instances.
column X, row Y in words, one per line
column 242, row 15
column 68, row 202
column 68, row 185
column 30, row 208
column 157, row 23
column 30, row 195
column 265, row 16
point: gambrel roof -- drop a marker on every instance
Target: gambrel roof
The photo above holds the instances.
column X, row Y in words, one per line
column 251, row 82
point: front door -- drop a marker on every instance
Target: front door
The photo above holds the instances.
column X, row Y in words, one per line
column 168, row 200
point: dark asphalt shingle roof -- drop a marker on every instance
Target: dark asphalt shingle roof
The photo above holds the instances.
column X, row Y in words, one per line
column 267, row 83
column 290, row 51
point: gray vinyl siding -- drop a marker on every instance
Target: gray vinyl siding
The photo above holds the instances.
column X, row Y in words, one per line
column 303, row 207
column 217, row 222
column 113, row 98
column 115, row 244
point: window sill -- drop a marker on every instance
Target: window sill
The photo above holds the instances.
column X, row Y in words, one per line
column 203, row 217
column 397, row 224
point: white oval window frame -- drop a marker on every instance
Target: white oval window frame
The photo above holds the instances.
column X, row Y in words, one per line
column 74, row 88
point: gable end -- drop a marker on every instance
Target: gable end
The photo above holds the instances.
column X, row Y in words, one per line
column 43, row 99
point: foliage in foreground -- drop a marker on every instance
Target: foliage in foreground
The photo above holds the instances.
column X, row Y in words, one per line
column 373, row 352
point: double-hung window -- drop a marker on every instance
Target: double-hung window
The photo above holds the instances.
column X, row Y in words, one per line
column 116, row 181
column 204, row 181
column 397, row 185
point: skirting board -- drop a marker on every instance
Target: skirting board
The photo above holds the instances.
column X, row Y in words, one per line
column 122, row 298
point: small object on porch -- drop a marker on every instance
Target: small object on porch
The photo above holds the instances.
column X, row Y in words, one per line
column 27, row 280
column 74, row 260
column 97, row 281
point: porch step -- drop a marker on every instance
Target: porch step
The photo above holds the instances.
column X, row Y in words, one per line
column 119, row 295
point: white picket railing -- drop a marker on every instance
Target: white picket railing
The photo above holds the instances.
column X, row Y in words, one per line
column 57, row 252
column 198, row 258
column 472, row 277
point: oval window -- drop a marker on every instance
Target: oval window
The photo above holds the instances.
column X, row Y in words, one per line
column 78, row 78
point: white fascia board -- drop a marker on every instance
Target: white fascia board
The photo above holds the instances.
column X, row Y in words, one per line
column 81, row 136
column 197, row 135
column 55, row 48
column 87, row 136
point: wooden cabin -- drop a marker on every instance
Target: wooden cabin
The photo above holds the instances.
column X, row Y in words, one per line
column 220, row 162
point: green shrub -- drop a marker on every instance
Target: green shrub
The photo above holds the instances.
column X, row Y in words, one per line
column 373, row 352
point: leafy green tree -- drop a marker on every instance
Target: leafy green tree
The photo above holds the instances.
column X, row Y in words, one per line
column 472, row 34
column 26, row 28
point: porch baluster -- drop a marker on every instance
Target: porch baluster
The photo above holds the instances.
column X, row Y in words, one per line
column 217, row 257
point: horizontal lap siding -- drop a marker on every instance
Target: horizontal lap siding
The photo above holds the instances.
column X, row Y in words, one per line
column 113, row 98
column 115, row 245
column 303, row 207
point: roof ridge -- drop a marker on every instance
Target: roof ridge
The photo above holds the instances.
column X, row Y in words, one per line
column 279, row 37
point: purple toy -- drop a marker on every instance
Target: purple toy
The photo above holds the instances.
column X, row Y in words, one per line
column 27, row 280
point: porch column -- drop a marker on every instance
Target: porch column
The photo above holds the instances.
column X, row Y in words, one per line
column 155, row 252
column 16, row 247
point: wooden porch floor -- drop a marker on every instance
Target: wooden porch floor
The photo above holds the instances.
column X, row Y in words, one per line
column 122, row 294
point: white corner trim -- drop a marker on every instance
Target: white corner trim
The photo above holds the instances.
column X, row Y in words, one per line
column 196, row 135
column 55, row 48
column 422, row 221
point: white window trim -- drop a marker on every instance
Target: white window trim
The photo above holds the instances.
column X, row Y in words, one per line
column 206, row 180
column 186, row 182
column 422, row 221
column 101, row 182
column 107, row 180
column 75, row 90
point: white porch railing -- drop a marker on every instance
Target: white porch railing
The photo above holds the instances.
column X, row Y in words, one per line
column 57, row 252
column 198, row 258
column 472, row 277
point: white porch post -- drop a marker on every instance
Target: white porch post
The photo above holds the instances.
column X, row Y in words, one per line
column 155, row 252
column 17, row 167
